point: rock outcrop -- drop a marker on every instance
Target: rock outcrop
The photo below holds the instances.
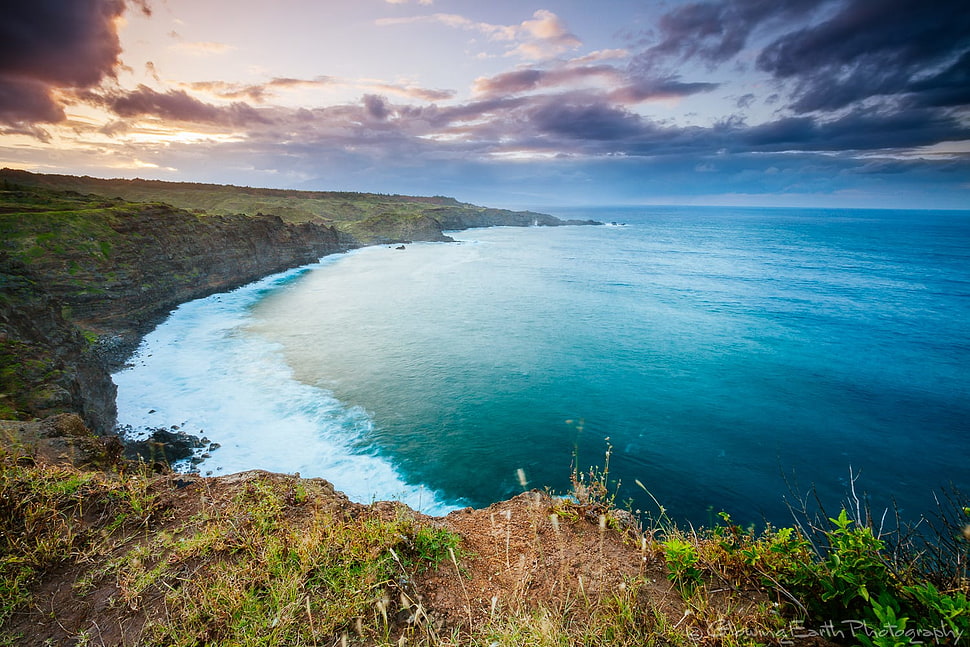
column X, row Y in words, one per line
column 47, row 366
column 452, row 218
column 167, row 256
column 61, row 439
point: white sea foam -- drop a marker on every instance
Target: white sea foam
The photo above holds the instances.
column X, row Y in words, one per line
column 203, row 372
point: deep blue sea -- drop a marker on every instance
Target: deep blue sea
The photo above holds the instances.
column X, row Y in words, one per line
column 734, row 358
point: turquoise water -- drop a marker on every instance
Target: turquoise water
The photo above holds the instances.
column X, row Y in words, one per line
column 733, row 357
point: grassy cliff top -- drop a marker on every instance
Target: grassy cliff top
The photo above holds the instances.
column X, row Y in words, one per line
column 219, row 199
column 128, row 557
column 367, row 217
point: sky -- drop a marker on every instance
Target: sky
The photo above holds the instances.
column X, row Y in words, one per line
column 513, row 103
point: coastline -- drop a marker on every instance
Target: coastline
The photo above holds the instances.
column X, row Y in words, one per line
column 81, row 297
column 136, row 555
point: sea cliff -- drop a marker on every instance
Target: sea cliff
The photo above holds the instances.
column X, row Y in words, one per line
column 83, row 275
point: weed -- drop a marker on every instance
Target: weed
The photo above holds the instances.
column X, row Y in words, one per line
column 682, row 559
column 591, row 489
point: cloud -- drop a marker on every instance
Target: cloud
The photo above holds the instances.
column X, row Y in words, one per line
column 414, row 92
column 871, row 49
column 176, row 105
column 590, row 121
column 601, row 55
column 615, row 83
column 203, row 48
column 543, row 37
column 376, row 107
column 259, row 92
column 828, row 54
column 863, row 130
column 455, row 21
column 510, row 82
column 714, row 32
column 664, row 87
column 950, row 87
column 528, row 79
column 46, row 45
column 152, row 71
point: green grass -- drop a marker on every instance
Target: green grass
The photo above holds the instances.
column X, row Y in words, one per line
column 274, row 564
column 277, row 560
column 261, row 578
column 368, row 217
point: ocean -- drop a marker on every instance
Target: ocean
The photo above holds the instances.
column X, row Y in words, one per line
column 733, row 359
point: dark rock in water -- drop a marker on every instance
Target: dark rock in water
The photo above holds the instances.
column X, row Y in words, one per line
column 164, row 446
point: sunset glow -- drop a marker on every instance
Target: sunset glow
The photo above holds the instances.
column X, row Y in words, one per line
column 830, row 102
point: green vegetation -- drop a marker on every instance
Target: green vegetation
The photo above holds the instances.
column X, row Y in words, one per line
column 274, row 561
column 837, row 578
column 366, row 217
column 261, row 578
column 61, row 233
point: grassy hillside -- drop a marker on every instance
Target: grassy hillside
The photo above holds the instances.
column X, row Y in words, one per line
column 367, row 217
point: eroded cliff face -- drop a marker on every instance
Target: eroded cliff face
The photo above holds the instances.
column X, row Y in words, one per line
column 117, row 274
column 47, row 366
column 168, row 256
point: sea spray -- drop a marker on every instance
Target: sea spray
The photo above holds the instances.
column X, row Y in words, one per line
column 201, row 372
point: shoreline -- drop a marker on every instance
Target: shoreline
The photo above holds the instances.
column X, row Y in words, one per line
column 80, row 299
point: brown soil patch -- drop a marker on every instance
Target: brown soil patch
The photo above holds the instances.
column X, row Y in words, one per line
column 515, row 556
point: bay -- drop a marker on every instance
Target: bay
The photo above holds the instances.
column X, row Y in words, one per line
column 733, row 358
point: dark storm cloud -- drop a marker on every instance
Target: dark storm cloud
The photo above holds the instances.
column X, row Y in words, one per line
column 951, row 87
column 26, row 101
column 714, row 32
column 870, row 48
column 596, row 122
column 856, row 131
column 831, row 54
column 51, row 44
